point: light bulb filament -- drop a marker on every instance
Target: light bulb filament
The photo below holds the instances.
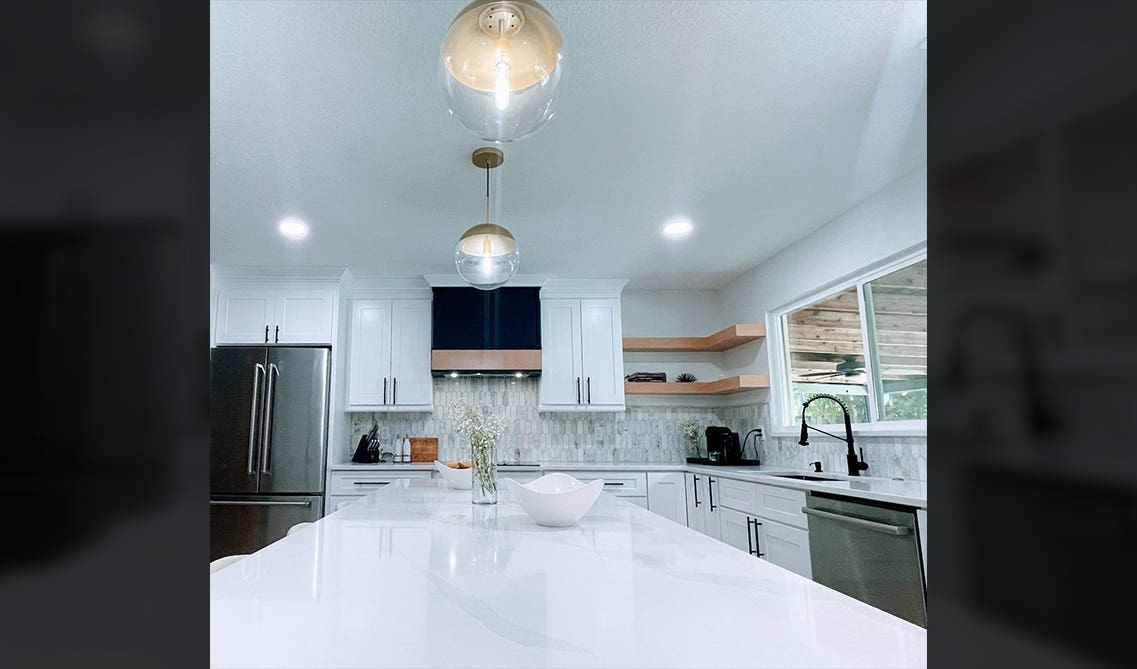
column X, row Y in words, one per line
column 502, row 64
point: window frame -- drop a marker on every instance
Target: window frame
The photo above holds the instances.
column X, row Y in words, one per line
column 781, row 398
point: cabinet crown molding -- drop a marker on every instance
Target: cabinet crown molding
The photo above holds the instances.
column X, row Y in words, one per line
column 582, row 288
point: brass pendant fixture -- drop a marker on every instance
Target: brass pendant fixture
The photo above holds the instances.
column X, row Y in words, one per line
column 487, row 255
column 499, row 66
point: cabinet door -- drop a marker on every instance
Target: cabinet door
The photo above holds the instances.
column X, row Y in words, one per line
column 245, row 316
column 695, row 498
column 370, row 354
column 638, row 501
column 303, row 316
column 411, row 383
column 736, row 529
column 602, row 353
column 666, row 497
column 561, row 384
column 785, row 546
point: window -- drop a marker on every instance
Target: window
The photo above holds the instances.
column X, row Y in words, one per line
column 866, row 342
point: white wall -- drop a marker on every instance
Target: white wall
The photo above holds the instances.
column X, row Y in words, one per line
column 671, row 313
column 889, row 222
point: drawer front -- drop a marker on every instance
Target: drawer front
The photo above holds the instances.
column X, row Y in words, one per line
column 737, row 495
column 781, row 504
column 361, row 483
column 520, row 477
column 622, row 484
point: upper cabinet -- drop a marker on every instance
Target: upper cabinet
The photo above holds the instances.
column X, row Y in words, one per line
column 389, row 355
column 582, row 358
column 274, row 313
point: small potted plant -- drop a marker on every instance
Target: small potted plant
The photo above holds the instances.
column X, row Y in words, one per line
column 690, row 431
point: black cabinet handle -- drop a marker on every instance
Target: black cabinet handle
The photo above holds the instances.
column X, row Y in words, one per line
column 394, row 390
column 278, row 334
column 613, row 483
column 578, row 390
column 749, row 540
column 266, row 334
column 384, row 390
column 590, row 390
column 757, row 545
column 711, row 491
column 695, row 487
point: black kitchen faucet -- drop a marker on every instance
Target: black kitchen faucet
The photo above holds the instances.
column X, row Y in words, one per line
column 856, row 466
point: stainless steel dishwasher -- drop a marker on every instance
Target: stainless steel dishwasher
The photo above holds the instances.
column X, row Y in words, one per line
column 870, row 551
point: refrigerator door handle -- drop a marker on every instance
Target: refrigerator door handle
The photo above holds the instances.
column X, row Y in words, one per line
column 257, row 371
column 259, row 502
column 270, row 402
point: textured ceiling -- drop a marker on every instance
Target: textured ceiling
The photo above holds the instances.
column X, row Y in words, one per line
column 758, row 120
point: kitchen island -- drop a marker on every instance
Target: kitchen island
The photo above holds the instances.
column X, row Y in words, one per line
column 415, row 576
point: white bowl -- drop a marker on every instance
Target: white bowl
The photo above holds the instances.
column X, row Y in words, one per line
column 461, row 479
column 556, row 500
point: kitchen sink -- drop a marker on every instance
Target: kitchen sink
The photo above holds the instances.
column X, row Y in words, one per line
column 805, row 477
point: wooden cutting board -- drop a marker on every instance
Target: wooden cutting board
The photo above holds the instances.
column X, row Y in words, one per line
column 424, row 449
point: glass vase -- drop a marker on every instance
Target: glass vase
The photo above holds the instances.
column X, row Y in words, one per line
column 483, row 488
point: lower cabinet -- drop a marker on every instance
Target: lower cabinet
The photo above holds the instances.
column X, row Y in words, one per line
column 754, row 519
column 737, row 529
column 665, row 495
column 641, row 502
column 785, row 546
column 348, row 486
column 702, row 510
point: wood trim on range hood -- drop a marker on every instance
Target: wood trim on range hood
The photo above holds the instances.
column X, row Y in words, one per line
column 485, row 360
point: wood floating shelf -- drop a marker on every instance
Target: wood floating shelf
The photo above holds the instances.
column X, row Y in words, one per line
column 731, row 384
column 723, row 340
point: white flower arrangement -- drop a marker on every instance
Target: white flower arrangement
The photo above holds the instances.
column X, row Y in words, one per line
column 483, row 428
column 690, row 431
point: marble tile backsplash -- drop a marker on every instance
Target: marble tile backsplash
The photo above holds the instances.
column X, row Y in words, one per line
column 640, row 434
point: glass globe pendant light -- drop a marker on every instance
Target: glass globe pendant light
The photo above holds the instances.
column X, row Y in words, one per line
column 499, row 65
column 487, row 255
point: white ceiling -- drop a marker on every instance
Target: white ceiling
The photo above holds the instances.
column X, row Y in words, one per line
column 760, row 121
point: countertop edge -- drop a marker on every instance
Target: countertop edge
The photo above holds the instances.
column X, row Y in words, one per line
column 764, row 478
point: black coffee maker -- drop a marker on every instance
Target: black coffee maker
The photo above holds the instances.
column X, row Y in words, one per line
column 722, row 445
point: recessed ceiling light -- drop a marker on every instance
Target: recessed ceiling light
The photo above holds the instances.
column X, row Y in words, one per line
column 519, row 375
column 453, row 375
column 677, row 228
column 293, row 228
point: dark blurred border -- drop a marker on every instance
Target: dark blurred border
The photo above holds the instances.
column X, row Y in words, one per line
column 1032, row 223
column 104, row 258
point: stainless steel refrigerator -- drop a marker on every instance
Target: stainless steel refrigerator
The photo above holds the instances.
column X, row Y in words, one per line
column 268, row 433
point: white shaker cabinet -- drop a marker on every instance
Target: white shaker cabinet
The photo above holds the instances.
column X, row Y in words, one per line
column 274, row 313
column 737, row 529
column 703, row 512
column 666, row 495
column 785, row 546
column 582, row 357
column 389, row 355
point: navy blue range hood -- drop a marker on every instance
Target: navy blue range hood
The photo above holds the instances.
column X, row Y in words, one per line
column 486, row 332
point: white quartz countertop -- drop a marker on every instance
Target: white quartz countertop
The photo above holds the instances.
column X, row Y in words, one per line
column 415, row 576
column 897, row 491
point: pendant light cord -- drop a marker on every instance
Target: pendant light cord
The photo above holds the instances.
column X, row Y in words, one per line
column 487, row 194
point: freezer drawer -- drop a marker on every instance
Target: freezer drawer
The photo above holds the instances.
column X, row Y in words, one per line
column 239, row 525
